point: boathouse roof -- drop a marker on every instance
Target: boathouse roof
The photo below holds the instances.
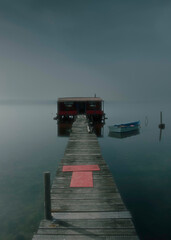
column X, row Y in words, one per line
column 80, row 99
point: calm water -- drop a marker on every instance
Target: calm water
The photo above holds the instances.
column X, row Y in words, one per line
column 141, row 165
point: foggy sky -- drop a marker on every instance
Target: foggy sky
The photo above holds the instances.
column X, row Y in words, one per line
column 118, row 49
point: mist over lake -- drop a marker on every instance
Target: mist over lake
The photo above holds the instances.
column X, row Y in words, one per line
column 118, row 50
column 140, row 165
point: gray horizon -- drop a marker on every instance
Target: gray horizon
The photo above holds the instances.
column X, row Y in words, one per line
column 118, row 50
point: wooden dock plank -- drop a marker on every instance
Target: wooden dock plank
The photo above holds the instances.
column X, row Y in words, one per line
column 89, row 223
column 85, row 196
column 84, row 191
column 96, row 212
column 87, row 231
column 93, row 215
column 82, row 237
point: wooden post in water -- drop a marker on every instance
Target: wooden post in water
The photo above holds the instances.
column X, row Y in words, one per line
column 161, row 125
column 161, row 121
column 47, row 200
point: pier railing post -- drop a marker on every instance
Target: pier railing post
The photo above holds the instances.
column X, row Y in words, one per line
column 47, row 200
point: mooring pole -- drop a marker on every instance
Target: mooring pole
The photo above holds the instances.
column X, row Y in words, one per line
column 160, row 117
column 47, row 200
column 161, row 125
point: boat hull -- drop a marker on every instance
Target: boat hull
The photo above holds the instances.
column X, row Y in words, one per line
column 128, row 127
column 123, row 129
column 123, row 134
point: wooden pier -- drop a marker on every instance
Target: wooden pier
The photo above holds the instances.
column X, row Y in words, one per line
column 96, row 212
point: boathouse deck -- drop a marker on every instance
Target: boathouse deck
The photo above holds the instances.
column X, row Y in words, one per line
column 83, row 213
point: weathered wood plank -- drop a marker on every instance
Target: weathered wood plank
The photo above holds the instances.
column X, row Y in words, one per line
column 83, row 191
column 84, row 157
column 95, row 185
column 89, row 223
column 87, row 202
column 86, row 208
column 85, row 196
column 92, row 215
column 87, row 231
column 82, row 237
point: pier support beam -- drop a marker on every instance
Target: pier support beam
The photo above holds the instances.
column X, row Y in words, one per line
column 47, row 200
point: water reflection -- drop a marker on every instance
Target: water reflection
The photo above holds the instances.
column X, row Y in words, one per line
column 160, row 135
column 123, row 134
column 98, row 129
column 161, row 126
column 146, row 121
column 64, row 129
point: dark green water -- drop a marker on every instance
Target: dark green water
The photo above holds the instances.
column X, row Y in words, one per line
column 29, row 146
column 141, row 165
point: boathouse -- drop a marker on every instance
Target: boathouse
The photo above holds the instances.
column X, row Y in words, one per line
column 92, row 107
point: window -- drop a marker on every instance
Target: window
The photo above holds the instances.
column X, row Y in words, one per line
column 68, row 104
column 92, row 105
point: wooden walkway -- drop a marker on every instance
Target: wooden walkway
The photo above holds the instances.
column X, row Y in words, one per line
column 86, row 213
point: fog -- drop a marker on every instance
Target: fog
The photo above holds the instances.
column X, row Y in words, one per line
column 120, row 50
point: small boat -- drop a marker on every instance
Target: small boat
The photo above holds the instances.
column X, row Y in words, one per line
column 126, row 127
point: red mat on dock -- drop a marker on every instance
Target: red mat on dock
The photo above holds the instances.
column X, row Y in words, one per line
column 80, row 168
column 82, row 179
